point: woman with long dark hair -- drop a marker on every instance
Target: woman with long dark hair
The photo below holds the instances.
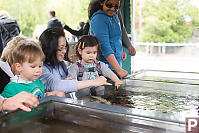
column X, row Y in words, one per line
column 55, row 72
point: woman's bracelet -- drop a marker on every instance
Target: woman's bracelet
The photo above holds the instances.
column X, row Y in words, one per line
column 2, row 110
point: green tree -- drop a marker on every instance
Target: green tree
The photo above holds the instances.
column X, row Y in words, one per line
column 164, row 21
column 30, row 13
column 72, row 11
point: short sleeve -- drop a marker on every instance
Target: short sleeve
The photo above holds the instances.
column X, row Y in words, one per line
column 9, row 90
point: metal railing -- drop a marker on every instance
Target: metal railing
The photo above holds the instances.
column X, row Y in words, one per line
column 161, row 47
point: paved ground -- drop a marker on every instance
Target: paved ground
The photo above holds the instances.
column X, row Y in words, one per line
column 174, row 62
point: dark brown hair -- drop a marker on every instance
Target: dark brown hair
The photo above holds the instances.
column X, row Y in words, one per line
column 87, row 41
column 95, row 5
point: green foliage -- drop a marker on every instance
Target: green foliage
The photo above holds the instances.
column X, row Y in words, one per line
column 30, row 13
column 164, row 21
column 72, row 11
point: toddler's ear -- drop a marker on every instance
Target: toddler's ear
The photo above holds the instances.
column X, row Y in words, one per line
column 18, row 67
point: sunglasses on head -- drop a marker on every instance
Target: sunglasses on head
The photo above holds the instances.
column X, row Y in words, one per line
column 116, row 7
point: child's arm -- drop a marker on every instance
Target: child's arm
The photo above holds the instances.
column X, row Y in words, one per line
column 100, row 81
column 106, row 71
column 115, row 79
column 56, row 93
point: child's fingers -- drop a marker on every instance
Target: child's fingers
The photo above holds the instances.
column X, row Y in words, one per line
column 107, row 84
column 117, row 86
column 25, row 107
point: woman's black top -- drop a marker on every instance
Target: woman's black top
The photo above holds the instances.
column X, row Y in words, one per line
column 80, row 32
column 4, row 80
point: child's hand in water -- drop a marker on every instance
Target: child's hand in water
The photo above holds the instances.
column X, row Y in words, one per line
column 56, row 93
column 118, row 83
column 101, row 81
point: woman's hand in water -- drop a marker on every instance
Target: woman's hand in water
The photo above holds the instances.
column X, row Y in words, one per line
column 101, row 81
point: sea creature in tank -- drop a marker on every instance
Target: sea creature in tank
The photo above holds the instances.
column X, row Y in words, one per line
column 101, row 100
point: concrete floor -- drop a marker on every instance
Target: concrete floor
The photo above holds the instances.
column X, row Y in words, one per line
column 172, row 62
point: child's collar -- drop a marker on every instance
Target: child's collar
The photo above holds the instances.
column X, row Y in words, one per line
column 81, row 61
column 17, row 79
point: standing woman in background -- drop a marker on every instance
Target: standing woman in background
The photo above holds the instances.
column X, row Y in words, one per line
column 126, row 42
column 105, row 25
